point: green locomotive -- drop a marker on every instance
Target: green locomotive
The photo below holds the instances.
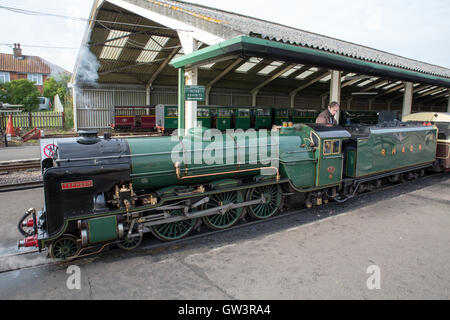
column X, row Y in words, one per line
column 102, row 190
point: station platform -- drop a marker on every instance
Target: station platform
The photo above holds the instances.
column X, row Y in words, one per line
column 19, row 153
column 324, row 253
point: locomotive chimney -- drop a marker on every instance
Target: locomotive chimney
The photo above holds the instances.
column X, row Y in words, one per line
column 17, row 51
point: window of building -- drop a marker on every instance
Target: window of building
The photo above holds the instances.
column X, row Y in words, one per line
column 4, row 77
column 244, row 113
column 203, row 113
column 36, row 78
column 172, row 112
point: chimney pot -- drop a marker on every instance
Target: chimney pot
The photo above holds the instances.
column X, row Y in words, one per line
column 17, row 51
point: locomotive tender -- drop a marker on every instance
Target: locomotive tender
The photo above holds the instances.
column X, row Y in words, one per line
column 101, row 190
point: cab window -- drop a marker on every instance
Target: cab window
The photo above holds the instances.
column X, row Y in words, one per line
column 331, row 147
column 327, row 147
column 336, row 146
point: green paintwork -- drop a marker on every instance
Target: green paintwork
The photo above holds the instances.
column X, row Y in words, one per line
column 171, row 117
column 297, row 159
column 242, row 119
column 263, row 118
column 203, row 116
column 304, row 116
column 281, row 115
column 308, row 167
column 370, row 159
column 153, row 166
column 330, row 169
column 223, row 118
column 102, row 229
column 350, row 167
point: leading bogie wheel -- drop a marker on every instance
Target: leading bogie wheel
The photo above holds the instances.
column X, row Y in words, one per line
column 65, row 248
column 271, row 205
column 229, row 218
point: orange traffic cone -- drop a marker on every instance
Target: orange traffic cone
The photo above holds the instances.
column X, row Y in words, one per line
column 10, row 128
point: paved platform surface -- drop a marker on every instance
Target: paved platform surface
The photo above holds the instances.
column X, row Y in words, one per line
column 19, row 153
column 322, row 254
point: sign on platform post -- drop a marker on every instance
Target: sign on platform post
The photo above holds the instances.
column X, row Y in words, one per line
column 194, row 93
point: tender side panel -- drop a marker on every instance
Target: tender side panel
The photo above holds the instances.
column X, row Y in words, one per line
column 389, row 149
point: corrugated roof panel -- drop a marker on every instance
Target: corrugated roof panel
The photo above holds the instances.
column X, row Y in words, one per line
column 248, row 65
column 326, row 78
column 291, row 71
column 438, row 92
column 207, row 66
column 113, row 48
column 154, row 43
column 348, row 75
column 380, row 85
column 392, row 85
column 270, row 67
column 364, row 83
column 307, row 73
column 427, row 89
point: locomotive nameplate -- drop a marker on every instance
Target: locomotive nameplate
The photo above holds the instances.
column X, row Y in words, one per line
column 77, row 185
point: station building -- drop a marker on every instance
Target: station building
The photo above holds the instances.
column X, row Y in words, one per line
column 129, row 45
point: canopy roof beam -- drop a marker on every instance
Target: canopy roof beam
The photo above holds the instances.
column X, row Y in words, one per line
column 272, row 78
column 293, row 93
column 430, row 92
column 227, row 70
column 396, row 88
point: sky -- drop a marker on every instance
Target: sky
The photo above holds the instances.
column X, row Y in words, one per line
column 415, row 29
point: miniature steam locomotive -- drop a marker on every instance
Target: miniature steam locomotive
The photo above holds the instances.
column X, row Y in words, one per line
column 100, row 191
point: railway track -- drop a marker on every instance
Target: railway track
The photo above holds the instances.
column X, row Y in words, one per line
column 21, row 186
column 154, row 244
column 20, row 165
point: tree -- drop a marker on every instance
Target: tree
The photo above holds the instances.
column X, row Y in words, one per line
column 22, row 92
column 57, row 86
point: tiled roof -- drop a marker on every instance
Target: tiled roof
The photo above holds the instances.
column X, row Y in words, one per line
column 30, row 64
column 268, row 30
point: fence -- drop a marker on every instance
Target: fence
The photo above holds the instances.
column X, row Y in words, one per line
column 28, row 120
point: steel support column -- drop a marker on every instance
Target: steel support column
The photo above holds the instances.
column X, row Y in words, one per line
column 191, row 106
column 335, row 89
column 181, row 101
column 407, row 99
column 189, row 45
column 448, row 107
column 75, row 113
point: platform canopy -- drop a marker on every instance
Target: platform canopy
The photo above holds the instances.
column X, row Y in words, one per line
column 132, row 42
